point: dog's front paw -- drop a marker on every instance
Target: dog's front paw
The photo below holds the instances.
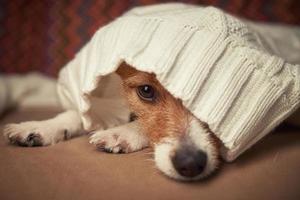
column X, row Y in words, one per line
column 110, row 142
column 20, row 134
column 122, row 139
column 35, row 133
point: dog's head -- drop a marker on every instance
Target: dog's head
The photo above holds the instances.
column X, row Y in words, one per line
column 184, row 148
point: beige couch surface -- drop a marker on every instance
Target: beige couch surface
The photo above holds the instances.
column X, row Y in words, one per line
column 76, row 170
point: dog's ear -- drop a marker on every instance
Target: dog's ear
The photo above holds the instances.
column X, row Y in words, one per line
column 125, row 71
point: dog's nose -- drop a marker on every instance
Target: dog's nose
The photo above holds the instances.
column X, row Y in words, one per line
column 189, row 162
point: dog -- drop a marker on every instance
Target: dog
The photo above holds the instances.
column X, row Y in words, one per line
column 184, row 147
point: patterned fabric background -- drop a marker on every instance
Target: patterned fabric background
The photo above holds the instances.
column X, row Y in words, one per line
column 44, row 34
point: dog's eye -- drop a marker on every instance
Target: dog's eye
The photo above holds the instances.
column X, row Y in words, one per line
column 146, row 92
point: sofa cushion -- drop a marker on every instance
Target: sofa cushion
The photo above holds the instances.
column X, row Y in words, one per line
column 76, row 170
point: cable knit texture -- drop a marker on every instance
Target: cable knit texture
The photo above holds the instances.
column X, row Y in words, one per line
column 212, row 61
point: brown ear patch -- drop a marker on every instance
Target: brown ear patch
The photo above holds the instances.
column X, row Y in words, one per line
column 125, row 71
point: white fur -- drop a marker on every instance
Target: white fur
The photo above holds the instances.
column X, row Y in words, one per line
column 200, row 137
column 162, row 157
column 51, row 131
column 114, row 139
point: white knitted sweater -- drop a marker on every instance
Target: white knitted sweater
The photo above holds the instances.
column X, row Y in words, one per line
column 215, row 63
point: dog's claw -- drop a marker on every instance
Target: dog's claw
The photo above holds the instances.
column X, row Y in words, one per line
column 102, row 146
column 108, row 150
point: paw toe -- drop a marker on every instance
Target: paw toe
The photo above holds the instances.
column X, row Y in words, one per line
column 9, row 128
column 106, row 147
column 115, row 149
column 110, row 142
column 33, row 139
column 100, row 145
column 108, row 150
